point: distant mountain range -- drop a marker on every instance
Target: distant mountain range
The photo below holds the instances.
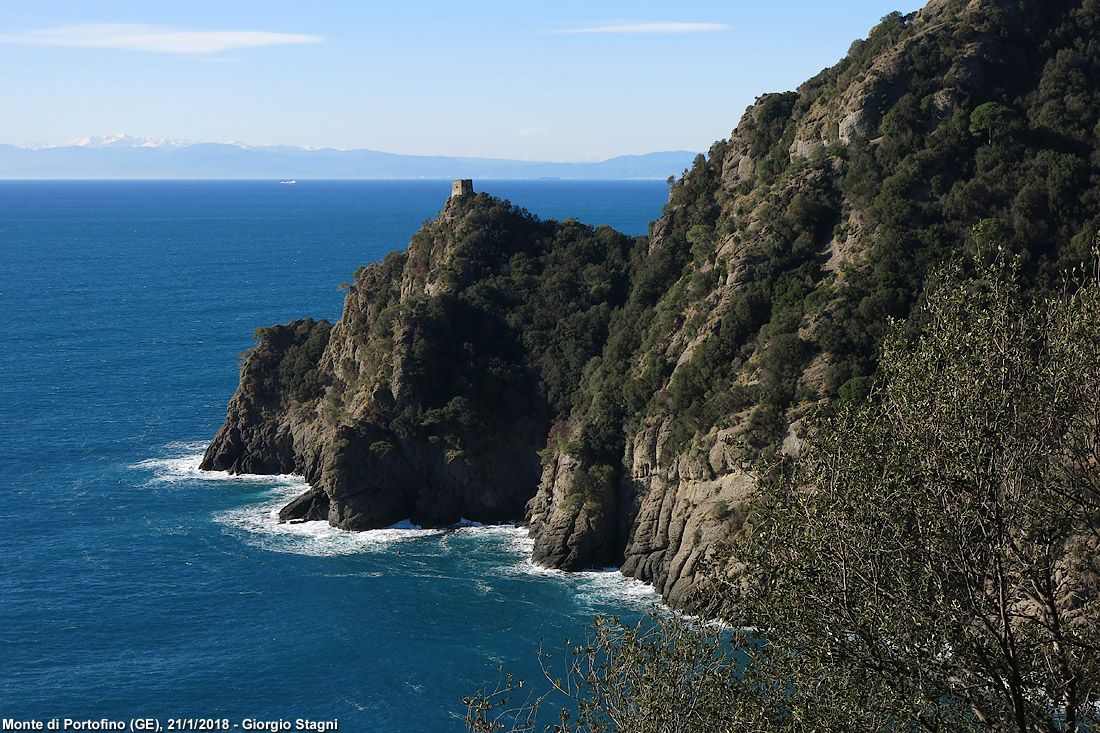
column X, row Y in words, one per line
column 122, row 156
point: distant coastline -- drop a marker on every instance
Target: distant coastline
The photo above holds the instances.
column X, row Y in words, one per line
column 136, row 158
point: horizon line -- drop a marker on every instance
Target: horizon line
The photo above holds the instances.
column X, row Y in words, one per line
column 177, row 144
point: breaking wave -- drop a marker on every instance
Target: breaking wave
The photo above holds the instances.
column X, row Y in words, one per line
column 256, row 522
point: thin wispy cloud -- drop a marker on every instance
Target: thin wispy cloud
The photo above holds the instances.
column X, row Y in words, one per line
column 158, row 39
column 651, row 28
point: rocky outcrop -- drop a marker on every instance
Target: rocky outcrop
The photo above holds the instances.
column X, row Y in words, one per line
column 261, row 435
column 356, row 409
column 573, row 528
column 423, row 402
column 660, row 524
column 686, row 511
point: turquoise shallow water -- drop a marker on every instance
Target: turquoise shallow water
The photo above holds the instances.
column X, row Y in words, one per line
column 134, row 585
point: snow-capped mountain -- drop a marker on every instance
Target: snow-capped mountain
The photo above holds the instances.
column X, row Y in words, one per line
column 113, row 141
column 125, row 156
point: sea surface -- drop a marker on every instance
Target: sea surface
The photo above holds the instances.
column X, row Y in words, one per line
column 133, row 585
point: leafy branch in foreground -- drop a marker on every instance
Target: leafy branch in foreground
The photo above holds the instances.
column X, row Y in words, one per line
column 662, row 674
column 932, row 562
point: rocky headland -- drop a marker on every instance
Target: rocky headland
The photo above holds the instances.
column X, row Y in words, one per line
column 618, row 394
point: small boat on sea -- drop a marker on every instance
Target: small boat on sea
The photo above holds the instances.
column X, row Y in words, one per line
column 289, row 182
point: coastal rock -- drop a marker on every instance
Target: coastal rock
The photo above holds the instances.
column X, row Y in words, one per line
column 684, row 512
column 422, row 403
column 309, row 507
column 260, row 436
column 573, row 528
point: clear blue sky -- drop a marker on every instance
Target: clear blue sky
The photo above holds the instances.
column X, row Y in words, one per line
column 558, row 80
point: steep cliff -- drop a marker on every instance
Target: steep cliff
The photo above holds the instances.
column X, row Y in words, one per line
column 968, row 128
column 431, row 397
column 624, row 391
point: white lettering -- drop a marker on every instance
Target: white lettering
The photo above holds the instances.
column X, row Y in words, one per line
column 318, row 725
column 102, row 724
column 270, row 725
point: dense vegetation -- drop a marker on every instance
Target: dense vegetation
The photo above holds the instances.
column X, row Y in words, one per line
column 501, row 314
column 944, row 569
column 932, row 562
column 294, row 351
column 779, row 282
column 764, row 291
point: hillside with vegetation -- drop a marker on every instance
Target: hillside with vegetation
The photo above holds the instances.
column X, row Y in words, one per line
column 962, row 131
column 620, row 395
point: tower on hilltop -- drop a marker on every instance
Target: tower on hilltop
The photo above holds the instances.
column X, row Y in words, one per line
column 462, row 187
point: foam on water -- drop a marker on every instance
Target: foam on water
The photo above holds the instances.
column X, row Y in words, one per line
column 595, row 587
column 591, row 586
column 468, row 523
column 257, row 524
column 182, row 464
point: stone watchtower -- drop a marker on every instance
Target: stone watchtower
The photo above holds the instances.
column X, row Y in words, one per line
column 462, row 187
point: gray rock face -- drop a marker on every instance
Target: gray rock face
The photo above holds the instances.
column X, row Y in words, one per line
column 571, row 532
column 660, row 521
column 687, row 509
column 343, row 407
column 259, row 436
column 856, row 125
column 804, row 148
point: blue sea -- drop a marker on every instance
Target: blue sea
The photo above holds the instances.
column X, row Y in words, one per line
column 133, row 585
